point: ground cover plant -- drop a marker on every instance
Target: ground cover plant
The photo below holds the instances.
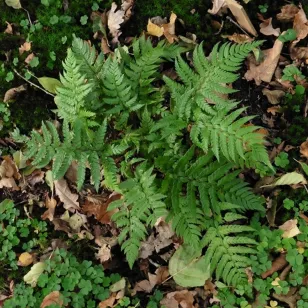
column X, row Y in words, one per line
column 168, row 169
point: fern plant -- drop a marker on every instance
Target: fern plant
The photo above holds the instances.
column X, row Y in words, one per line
column 176, row 148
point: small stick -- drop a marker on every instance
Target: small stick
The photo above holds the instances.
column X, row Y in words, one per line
column 28, row 16
column 235, row 23
column 33, row 84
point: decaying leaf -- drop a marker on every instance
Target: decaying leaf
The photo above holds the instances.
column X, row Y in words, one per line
column 238, row 38
column 218, row 5
column 290, row 228
column 9, row 28
column 278, row 264
column 12, row 93
column 29, row 58
column 25, row 259
column 108, row 302
column 304, row 149
column 183, row 299
column 76, row 221
column 26, row 46
column 273, row 110
column 291, row 178
column 287, row 13
column 273, row 96
column 265, row 71
column 104, row 253
column 159, row 28
column 51, row 204
column 266, row 27
column 115, row 19
column 300, row 24
column 66, row 196
column 53, row 298
column 299, row 53
column 33, row 275
column 37, row 176
column 15, row 4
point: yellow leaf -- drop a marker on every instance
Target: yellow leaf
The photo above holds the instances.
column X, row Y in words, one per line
column 154, row 29
column 25, row 259
column 33, row 275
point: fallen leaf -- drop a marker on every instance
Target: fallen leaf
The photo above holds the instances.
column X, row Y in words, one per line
column 273, row 110
column 33, row 275
column 290, row 298
column 53, row 298
column 25, row 259
column 118, row 286
column 8, row 183
column 49, row 84
column 108, row 302
column 184, row 299
column 169, row 29
column 15, row 4
column 115, row 19
column 26, row 46
column 8, row 168
column 278, row 264
column 238, row 38
column 29, row 58
column 37, row 176
column 299, row 53
column 12, row 93
column 287, row 13
column 266, row 27
column 300, row 24
column 76, row 221
column 126, row 6
column 290, row 228
column 265, row 71
column 9, row 28
column 291, row 178
column 273, row 96
column 66, row 196
column 51, row 204
column 304, row 149
column 104, row 253
column 218, row 5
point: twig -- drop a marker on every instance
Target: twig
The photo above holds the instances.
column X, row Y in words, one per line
column 33, row 84
column 220, row 29
column 28, row 15
column 235, row 23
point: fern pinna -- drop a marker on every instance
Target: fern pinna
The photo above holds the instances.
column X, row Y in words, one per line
column 172, row 150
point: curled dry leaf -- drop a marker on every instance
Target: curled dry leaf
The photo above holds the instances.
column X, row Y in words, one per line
column 25, row 259
column 300, row 24
column 115, row 19
column 104, row 253
column 66, row 196
column 304, row 149
column 9, row 28
column 184, row 299
column 108, row 302
column 299, row 53
column 26, row 46
column 238, row 38
column 273, row 110
column 266, row 27
column 218, row 5
column 51, row 205
column 12, row 93
column 277, row 265
column 287, row 13
column 290, row 228
column 29, row 58
column 53, row 298
column 265, row 71
column 37, row 176
column 273, row 96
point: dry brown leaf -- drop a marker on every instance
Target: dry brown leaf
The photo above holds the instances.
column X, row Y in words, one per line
column 266, row 27
column 277, row 265
column 300, row 24
column 12, row 93
column 53, row 298
column 273, row 96
column 8, row 183
column 66, row 196
column 238, row 38
column 169, row 29
column 9, row 28
column 218, row 5
column 25, row 259
column 115, row 19
column 98, row 208
column 37, row 176
column 265, row 71
column 287, row 13
column 290, row 228
column 184, row 299
column 105, row 46
column 273, row 110
column 108, row 302
column 154, row 30
column 9, row 169
column 29, row 58
column 299, row 53
column 304, row 149
column 26, row 46
column 126, row 6
column 51, row 205
column 104, row 253
column 71, row 173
